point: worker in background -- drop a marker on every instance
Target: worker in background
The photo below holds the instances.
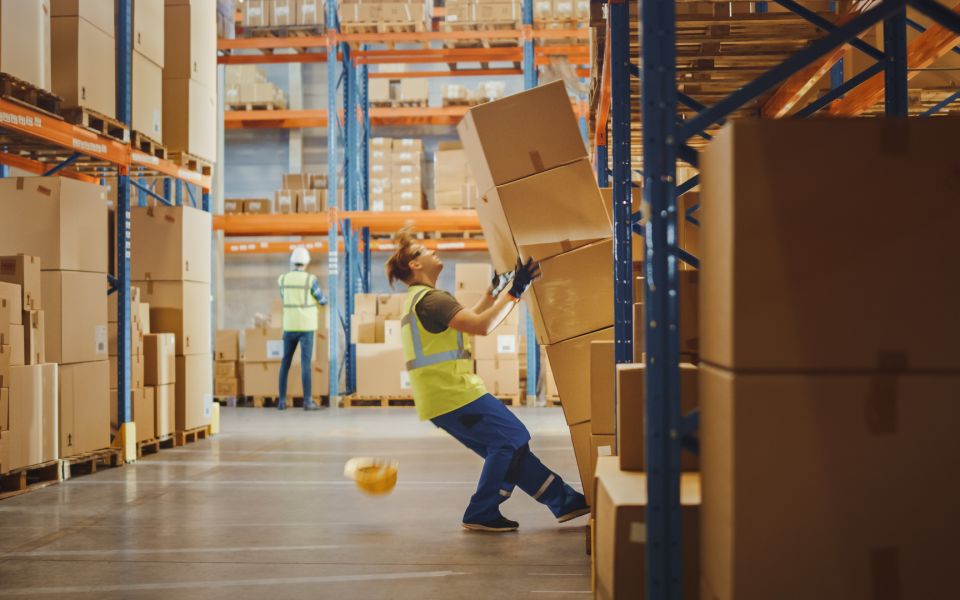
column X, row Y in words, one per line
column 301, row 293
column 435, row 329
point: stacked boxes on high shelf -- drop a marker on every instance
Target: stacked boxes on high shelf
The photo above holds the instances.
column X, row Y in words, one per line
column 83, row 54
column 227, row 379
column 468, row 12
column 397, row 16
column 401, row 91
column 61, row 224
column 247, row 86
column 282, row 13
column 457, row 94
column 302, row 193
column 396, row 169
column 25, row 49
column 831, row 374
column 453, row 185
column 170, row 263
column 375, row 331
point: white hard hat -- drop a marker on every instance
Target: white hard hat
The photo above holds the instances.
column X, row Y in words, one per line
column 300, row 256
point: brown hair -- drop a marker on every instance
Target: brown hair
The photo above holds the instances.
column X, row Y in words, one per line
column 398, row 265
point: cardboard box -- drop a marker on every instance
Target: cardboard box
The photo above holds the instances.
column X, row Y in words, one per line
column 391, row 332
column 501, row 376
column 226, row 344
column 296, row 181
column 84, row 408
column 259, row 206
column 16, row 346
column 498, row 11
column 829, row 466
column 569, row 361
column 365, row 304
column 229, row 386
column 382, row 371
column 390, row 306
column 285, row 201
column 232, row 207
column 310, row 12
column 99, row 13
column 147, row 97
column 580, row 434
column 189, row 116
column 276, row 313
column 414, row 89
column 5, row 322
column 33, row 338
column 84, row 66
column 600, row 446
column 11, row 293
column 263, row 379
column 166, row 409
column 257, row 13
column 264, row 345
column 75, row 316
column 406, row 201
column 23, row 271
column 521, row 135
column 603, row 388
column 145, row 318
column 183, row 234
column 180, row 308
column 190, row 44
column 502, row 343
column 473, row 277
column 571, row 281
column 620, row 532
column 159, row 359
column 631, row 413
column 225, row 369
column 311, row 201
column 136, row 339
column 4, row 414
column 148, row 29
column 145, row 413
column 194, row 391
column 25, row 42
column 33, row 414
column 284, row 13
column 407, row 169
column 62, row 221
column 768, row 310
column 543, row 215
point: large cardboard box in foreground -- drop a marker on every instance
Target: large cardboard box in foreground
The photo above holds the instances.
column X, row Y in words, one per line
column 580, row 436
column 543, row 215
column 194, row 389
column 61, row 220
column 829, row 485
column 570, row 364
column 574, row 296
column 33, row 414
column 75, row 316
column 521, row 135
column 181, row 308
column 84, row 407
column 170, row 243
column 190, row 118
column 84, row 65
column 25, row 41
column 792, row 290
column 620, row 528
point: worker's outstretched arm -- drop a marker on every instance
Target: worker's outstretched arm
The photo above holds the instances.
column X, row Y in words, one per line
column 496, row 286
column 483, row 322
column 318, row 293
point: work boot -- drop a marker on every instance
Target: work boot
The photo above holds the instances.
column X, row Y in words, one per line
column 575, row 506
column 281, row 405
column 309, row 405
column 500, row 524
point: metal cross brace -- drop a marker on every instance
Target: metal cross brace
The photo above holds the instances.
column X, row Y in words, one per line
column 814, row 18
column 149, row 192
column 921, row 29
column 840, row 90
column 941, row 14
column 953, row 97
column 66, row 163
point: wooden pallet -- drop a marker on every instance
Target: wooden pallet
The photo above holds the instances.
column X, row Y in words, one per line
column 241, row 106
column 155, row 445
column 85, row 463
column 378, row 402
column 231, row 401
column 181, row 438
column 458, row 102
column 562, row 24
column 510, row 42
column 97, row 123
column 33, row 477
column 385, row 27
column 292, row 402
column 553, row 401
column 191, row 162
column 411, row 103
column 26, row 94
column 147, row 145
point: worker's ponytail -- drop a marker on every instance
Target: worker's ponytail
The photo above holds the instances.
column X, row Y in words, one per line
column 398, row 265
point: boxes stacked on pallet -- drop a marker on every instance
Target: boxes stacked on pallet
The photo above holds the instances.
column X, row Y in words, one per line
column 190, row 78
column 301, row 193
column 452, row 180
column 282, row 13
column 396, row 169
column 141, row 404
column 227, row 379
column 477, row 11
column 147, row 72
column 458, row 94
column 63, row 223
column 248, row 85
column 25, row 48
column 170, row 263
column 381, row 173
column 401, row 16
column 834, row 372
column 159, row 378
column 540, row 200
column 83, row 54
column 375, row 330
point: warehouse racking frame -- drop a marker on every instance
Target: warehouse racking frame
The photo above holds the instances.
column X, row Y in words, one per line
column 667, row 138
column 70, row 151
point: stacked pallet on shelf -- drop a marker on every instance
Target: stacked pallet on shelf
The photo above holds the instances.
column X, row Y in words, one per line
column 170, row 263
column 247, row 88
column 405, row 91
column 262, row 14
column 382, row 378
column 540, row 200
column 357, row 16
column 457, row 94
column 302, row 193
column 396, row 169
column 562, row 14
column 83, row 54
column 473, row 15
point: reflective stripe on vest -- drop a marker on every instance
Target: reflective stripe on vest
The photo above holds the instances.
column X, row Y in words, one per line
column 420, row 360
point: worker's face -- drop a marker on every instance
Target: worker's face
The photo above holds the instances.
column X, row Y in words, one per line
column 428, row 260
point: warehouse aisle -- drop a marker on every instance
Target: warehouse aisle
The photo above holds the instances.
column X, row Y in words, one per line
column 262, row 510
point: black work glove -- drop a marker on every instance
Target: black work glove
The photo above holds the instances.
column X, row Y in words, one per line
column 523, row 277
column 499, row 283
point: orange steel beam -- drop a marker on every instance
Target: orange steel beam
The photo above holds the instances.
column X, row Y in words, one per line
column 794, row 88
column 35, row 166
column 926, row 49
column 575, row 59
column 321, row 246
column 291, row 119
column 317, row 223
column 272, row 59
column 168, row 168
column 319, row 41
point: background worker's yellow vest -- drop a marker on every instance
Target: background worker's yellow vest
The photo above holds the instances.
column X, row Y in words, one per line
column 299, row 305
column 439, row 364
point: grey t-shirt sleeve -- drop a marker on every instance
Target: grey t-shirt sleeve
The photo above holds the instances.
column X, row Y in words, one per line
column 436, row 309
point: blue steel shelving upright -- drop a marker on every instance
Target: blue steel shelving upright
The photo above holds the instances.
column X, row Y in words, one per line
column 665, row 138
column 530, row 82
column 124, row 58
column 333, row 257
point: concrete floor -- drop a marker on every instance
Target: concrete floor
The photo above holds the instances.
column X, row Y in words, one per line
column 263, row 511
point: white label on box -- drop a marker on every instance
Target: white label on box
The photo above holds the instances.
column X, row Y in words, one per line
column 406, row 181
column 254, row 11
column 565, row 7
column 100, row 337
column 406, row 142
column 406, row 155
column 604, row 451
column 451, row 17
column 376, row 168
column 275, row 349
column 638, row 532
column 583, row 8
column 406, row 168
column 377, row 206
column 308, row 8
column 406, row 195
column 404, row 380
column 156, row 121
column 542, row 7
column 207, row 406
column 507, row 344
column 453, row 91
column 376, row 190
column 405, row 208
column 377, row 153
column 281, row 11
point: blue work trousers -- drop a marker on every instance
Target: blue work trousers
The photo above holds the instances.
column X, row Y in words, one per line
column 491, row 430
column 290, row 341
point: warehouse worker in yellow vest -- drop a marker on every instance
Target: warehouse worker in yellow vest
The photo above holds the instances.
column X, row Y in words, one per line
column 301, row 293
column 436, row 346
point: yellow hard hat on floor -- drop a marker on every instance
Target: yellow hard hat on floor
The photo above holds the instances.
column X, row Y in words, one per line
column 374, row 476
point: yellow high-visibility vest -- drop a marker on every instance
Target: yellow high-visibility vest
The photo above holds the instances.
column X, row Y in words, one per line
column 439, row 364
column 299, row 305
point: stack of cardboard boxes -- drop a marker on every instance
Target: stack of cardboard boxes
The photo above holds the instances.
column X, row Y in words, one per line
column 417, row 14
column 302, row 193
column 282, row 13
column 260, row 368
column 25, row 49
column 407, row 91
column 190, row 78
column 83, row 54
column 247, row 84
column 148, row 61
column 561, row 10
column 159, row 379
column 469, row 11
column 375, row 330
column 141, row 404
column 453, row 185
column 831, row 377
column 170, row 263
column 62, row 223
column 396, row 167
column 227, row 380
